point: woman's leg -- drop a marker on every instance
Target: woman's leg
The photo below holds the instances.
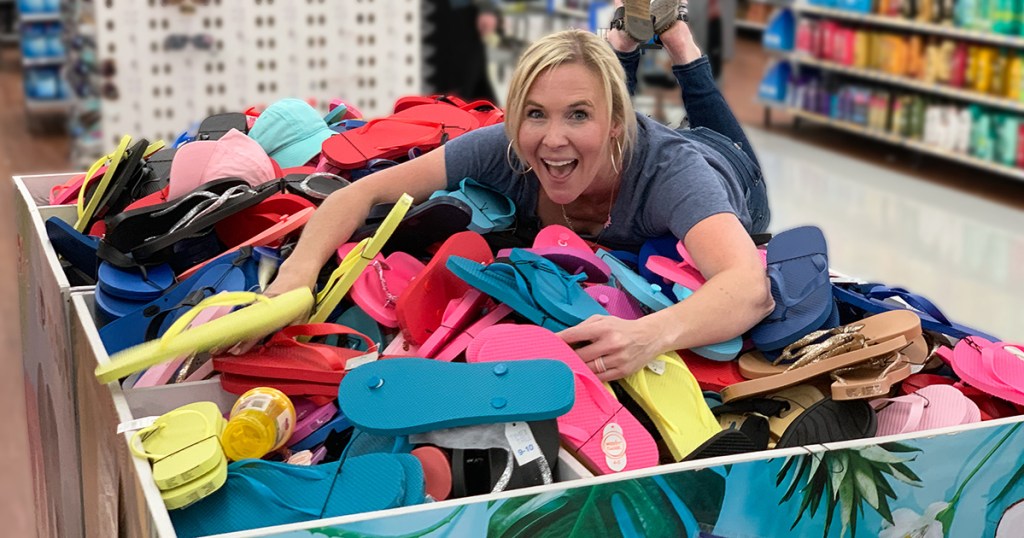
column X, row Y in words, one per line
column 703, row 101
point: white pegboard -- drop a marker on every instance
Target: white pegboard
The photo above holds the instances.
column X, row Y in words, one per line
column 367, row 52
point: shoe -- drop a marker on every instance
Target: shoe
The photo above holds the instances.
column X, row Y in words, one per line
column 665, row 13
column 634, row 17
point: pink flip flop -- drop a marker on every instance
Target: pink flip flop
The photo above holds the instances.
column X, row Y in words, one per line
column 459, row 314
column 400, row 348
column 377, row 290
column 462, row 341
column 569, row 251
column 969, row 362
column 934, row 406
column 615, row 301
column 1006, row 361
column 162, row 373
column 684, row 273
column 598, row 428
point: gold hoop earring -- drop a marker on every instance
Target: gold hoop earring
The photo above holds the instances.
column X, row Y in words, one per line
column 612, row 156
column 508, row 159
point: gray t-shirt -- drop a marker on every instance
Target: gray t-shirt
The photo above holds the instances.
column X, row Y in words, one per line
column 674, row 180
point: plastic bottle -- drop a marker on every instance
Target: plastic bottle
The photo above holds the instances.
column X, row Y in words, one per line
column 262, row 421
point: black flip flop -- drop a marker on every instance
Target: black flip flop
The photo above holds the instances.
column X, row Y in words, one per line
column 431, row 222
column 477, row 472
column 218, row 125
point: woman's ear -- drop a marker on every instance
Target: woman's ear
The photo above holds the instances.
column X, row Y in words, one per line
column 616, row 132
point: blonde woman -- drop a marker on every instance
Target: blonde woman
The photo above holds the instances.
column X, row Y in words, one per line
column 573, row 152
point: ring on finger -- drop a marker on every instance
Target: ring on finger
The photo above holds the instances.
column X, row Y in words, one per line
column 600, row 365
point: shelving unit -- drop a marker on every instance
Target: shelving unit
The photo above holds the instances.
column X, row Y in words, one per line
column 749, row 25
column 803, row 10
column 42, row 109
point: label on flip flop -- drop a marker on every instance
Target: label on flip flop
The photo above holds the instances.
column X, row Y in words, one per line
column 524, row 446
column 657, row 366
column 354, row 362
column 613, row 444
column 137, row 424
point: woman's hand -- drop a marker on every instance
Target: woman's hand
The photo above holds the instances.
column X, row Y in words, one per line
column 286, row 280
column 616, row 348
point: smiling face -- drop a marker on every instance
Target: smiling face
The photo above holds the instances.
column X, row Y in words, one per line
column 566, row 133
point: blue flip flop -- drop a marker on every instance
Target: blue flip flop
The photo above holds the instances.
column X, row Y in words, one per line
column 73, row 246
column 135, row 284
column 876, row 298
column 356, row 319
column 650, row 296
column 235, row 271
column 798, row 271
column 555, row 291
column 492, row 210
column 406, row 396
column 337, row 424
column 506, row 285
column 110, row 308
column 664, row 246
column 262, row 493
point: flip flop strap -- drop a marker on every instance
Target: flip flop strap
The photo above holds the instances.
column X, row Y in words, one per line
column 269, row 493
column 778, row 280
column 915, row 301
column 228, row 298
column 820, row 345
column 917, row 404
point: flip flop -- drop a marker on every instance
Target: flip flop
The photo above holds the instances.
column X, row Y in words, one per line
column 646, row 294
column 846, row 347
column 135, row 284
column 554, row 291
column 318, row 392
column 483, row 471
column 506, row 285
column 437, row 471
column 231, row 272
column 313, row 186
column 377, row 290
column 353, row 264
column 712, row 375
column 664, row 246
column 457, row 317
column 263, row 317
column 215, row 126
column 598, row 429
column 935, row 406
column 637, row 20
column 1006, row 361
column 73, row 246
column 356, row 319
column 974, row 366
column 492, row 210
column 404, row 396
column 336, row 425
column 421, row 308
column 798, row 270
column 615, row 301
column 461, row 341
column 110, row 308
column 876, row 298
column 242, row 226
column 722, row 351
column 425, row 224
column 569, row 251
column 286, row 358
column 670, row 396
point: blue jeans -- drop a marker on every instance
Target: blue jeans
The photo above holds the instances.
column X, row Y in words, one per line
column 713, row 124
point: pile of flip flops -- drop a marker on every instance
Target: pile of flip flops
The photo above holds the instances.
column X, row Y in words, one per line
column 426, row 363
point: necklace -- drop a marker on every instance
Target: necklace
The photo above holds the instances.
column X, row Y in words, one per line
column 607, row 222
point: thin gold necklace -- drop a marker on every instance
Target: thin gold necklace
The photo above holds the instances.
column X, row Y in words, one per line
column 607, row 222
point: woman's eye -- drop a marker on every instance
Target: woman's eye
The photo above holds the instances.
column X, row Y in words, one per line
column 579, row 115
column 534, row 114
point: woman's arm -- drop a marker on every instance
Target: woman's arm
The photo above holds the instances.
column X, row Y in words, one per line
column 342, row 212
column 735, row 297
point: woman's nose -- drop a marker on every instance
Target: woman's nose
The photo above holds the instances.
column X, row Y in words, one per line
column 555, row 137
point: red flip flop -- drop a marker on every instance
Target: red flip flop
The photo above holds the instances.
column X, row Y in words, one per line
column 420, row 309
column 319, row 393
column 285, row 358
column 712, row 375
column 437, row 471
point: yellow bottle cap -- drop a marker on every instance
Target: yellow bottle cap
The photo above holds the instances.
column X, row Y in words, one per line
column 246, row 436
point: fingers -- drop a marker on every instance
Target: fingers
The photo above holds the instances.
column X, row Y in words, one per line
column 584, row 332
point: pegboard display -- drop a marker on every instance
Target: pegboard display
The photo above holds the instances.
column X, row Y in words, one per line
column 162, row 67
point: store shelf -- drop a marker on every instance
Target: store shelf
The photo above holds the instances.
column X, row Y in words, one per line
column 868, row 74
column 39, row 17
column 890, row 138
column 42, row 62
column 750, row 25
column 43, row 106
column 916, row 26
column 569, row 12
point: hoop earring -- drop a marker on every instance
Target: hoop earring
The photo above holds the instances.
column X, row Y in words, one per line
column 619, row 146
column 508, row 159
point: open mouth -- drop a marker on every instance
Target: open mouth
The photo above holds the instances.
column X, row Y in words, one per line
column 560, row 169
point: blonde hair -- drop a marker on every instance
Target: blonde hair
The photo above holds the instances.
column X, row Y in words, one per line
column 573, row 47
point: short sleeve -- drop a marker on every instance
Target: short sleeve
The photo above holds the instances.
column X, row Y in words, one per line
column 479, row 154
column 683, row 194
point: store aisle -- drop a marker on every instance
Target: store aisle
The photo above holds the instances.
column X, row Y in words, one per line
column 963, row 251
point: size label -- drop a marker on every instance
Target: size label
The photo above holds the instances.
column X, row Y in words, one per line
column 613, row 444
column 355, row 362
column 137, row 424
column 524, row 446
column 657, row 366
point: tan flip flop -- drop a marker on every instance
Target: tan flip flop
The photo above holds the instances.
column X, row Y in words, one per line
column 877, row 328
column 823, row 352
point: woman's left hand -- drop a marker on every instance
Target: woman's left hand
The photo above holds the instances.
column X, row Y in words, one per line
column 615, row 348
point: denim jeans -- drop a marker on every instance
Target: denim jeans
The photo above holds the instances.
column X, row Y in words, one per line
column 713, row 124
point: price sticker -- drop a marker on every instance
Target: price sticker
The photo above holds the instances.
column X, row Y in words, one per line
column 524, row 446
column 137, row 424
column 657, row 366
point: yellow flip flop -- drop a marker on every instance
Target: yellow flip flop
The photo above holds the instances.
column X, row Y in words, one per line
column 674, row 402
column 184, row 445
column 262, row 317
column 359, row 258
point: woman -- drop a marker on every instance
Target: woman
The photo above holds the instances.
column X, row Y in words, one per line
column 583, row 159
